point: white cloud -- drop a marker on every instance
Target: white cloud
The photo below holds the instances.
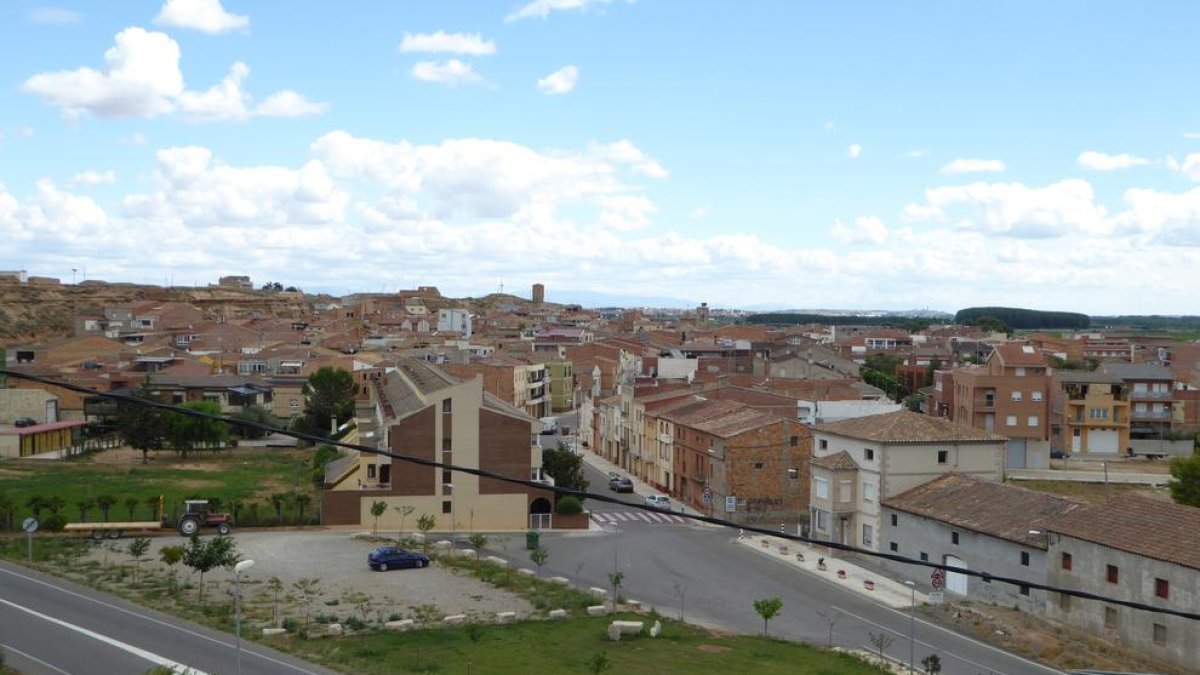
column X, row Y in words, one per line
column 223, row 101
column 140, row 78
column 625, row 152
column 542, row 8
column 442, row 42
column 1193, row 135
column 203, row 15
column 1099, row 161
column 1189, row 168
column 918, row 154
column 865, row 229
column 88, row 178
column 288, row 103
column 54, row 16
column 451, row 73
column 560, row 81
column 974, row 166
column 136, row 138
column 854, row 151
column 1015, row 210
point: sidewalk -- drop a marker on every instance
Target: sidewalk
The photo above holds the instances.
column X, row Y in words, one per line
column 807, row 558
column 639, row 488
column 1154, row 479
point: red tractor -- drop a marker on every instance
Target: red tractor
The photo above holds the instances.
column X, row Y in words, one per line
column 196, row 515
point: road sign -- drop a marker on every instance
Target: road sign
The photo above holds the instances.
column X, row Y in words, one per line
column 937, row 579
column 30, row 525
column 731, row 504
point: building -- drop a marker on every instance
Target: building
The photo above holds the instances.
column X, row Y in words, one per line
column 239, row 282
column 1136, row 549
column 517, row 383
column 1090, row 413
column 860, row 461
column 455, row 321
column 1150, row 389
column 539, row 294
column 561, row 375
column 39, row 438
column 420, row 411
column 975, row 524
column 1009, row 396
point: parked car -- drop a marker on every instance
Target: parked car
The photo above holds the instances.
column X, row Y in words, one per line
column 24, row 422
column 1058, row 454
column 388, row 557
column 620, row 484
column 659, row 502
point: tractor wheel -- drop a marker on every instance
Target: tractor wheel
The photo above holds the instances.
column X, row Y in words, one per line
column 114, row 534
column 189, row 526
column 224, row 528
column 97, row 534
column 383, row 567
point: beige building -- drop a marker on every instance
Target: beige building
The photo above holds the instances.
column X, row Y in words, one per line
column 858, row 462
column 1010, row 396
column 1091, row 413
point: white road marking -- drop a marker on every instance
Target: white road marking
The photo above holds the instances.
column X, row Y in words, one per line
column 156, row 659
column 35, row 659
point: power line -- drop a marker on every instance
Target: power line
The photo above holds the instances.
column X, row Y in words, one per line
column 582, row 494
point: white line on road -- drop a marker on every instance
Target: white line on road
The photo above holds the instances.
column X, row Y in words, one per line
column 156, row 659
column 35, row 659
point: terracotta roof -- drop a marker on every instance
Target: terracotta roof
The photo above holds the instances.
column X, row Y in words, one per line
column 1019, row 354
column 904, row 426
column 736, row 422
column 839, row 461
column 985, row 506
column 1136, row 371
column 1151, row 528
column 1086, row 377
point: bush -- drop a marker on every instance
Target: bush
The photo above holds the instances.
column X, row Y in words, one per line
column 569, row 505
column 291, row 625
column 355, row 623
column 54, row 522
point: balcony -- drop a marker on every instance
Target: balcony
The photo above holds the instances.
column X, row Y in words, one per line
column 1151, row 414
column 1150, row 395
column 985, row 403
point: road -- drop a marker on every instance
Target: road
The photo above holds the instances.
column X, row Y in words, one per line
column 698, row 573
column 51, row 626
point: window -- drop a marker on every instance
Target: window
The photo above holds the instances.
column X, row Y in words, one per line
column 1113, row 574
column 943, row 456
column 954, row 538
column 1011, row 420
column 844, row 490
column 1024, row 590
column 894, row 547
column 794, row 441
column 446, row 445
column 895, row 519
column 824, row 444
column 822, row 520
column 1064, row 602
column 1016, row 396
column 1162, row 588
column 1066, row 561
column 1099, row 413
column 1035, row 395
column 447, row 476
column 370, row 471
column 446, row 407
column 793, row 474
column 1110, row 617
column 869, row 492
column 867, row 535
column 1025, row 558
column 821, row 487
column 1033, row 420
column 758, row 465
column 924, row 557
column 868, row 454
column 1020, row 372
column 1160, row 634
column 446, row 506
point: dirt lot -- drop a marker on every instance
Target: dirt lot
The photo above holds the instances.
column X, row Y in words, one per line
column 339, row 561
column 1116, row 465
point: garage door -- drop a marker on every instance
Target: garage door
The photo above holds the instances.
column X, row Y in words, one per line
column 1014, row 457
column 956, row 582
column 1103, row 441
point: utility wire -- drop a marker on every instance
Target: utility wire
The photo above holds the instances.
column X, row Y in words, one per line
column 582, row 494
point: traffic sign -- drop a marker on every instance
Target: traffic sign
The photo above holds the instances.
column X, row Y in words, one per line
column 30, row 525
column 937, row 579
column 731, row 504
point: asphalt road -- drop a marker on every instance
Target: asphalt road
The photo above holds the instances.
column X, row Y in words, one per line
column 52, row 626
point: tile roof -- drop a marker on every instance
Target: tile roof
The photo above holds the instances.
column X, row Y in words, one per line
column 1151, row 528
column 1019, row 354
column 1086, row 377
column 904, row 426
column 839, row 461
column 985, row 506
column 1136, row 371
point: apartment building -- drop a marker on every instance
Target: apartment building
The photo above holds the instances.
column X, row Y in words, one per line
column 1090, row 413
column 1151, row 391
column 518, row 383
column 1010, row 396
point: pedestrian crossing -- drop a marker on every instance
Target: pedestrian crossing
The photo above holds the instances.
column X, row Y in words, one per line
column 619, row 517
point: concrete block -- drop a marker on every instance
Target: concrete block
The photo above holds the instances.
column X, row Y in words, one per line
column 455, row 619
column 267, row 632
column 597, row 610
column 633, row 604
column 497, row 560
column 598, row 593
column 334, row 629
column 629, row 627
column 560, row 580
column 506, row 617
column 614, row 633
column 465, row 553
column 443, row 545
column 416, row 537
column 525, row 571
column 656, row 629
column 401, row 625
column 558, row 614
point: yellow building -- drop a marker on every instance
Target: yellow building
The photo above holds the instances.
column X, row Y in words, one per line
column 1091, row 412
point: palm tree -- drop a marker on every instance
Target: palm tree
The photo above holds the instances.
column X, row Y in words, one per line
column 279, row 500
column 7, row 508
column 36, row 503
column 131, row 504
column 55, row 504
column 105, row 502
column 84, row 506
column 302, row 501
column 236, row 505
column 153, row 503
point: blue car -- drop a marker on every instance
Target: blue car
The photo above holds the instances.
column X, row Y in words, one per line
column 388, row 557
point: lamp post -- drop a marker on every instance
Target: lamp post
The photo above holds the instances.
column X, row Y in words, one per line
column 912, row 624
column 237, row 611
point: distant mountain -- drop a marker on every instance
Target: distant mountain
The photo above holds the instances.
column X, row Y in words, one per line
column 595, row 299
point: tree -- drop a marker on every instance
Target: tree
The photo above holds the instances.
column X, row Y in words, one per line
column 36, row 503
column 539, row 556
column 615, row 579
column 204, row 555
column 302, row 501
column 425, row 524
column 255, row 414
column 308, row 590
column 272, row 287
column 914, row 402
column 131, row 503
column 329, row 393
column 881, row 641
column 137, row 550
column 55, row 504
column 155, row 503
column 768, row 608
column 932, row 664
column 105, row 502
column 1185, row 480
column 405, row 510
column 186, row 433
column 8, row 509
column 323, row 456
column 276, row 587
column 84, row 506
column 170, row 556
column 378, row 508
column 477, row 540
column 142, row 426
column 278, row 501
column 235, row 507
column 566, row 467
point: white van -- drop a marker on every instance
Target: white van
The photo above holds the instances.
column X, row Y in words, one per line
column 549, row 425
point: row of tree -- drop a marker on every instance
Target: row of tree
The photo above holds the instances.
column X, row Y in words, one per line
column 1015, row 318
column 909, row 323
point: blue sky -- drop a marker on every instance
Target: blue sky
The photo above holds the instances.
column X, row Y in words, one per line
column 851, row 155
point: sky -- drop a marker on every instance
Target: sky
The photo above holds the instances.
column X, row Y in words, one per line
column 852, row 155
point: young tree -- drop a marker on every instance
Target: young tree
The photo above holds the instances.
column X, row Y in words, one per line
column 615, row 579
column 278, row 501
column 539, row 556
column 768, row 608
column 378, row 508
column 204, row 555
column 308, row 590
column 131, row 503
column 254, row 415
column 477, row 540
column 55, row 504
column 425, row 524
column 1185, row 480
column 329, row 393
column 186, row 433
column 171, row 556
column 235, row 507
column 932, row 664
column 143, row 427
column 137, row 550
column 84, row 506
column 405, row 510
column 155, row 503
column 8, row 509
column 302, row 501
column 881, row 641
column 276, row 587
column 36, row 503
column 105, row 502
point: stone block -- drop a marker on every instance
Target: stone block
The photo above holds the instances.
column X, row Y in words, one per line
column 598, row 593
column 633, row 604
column 506, row 617
column 334, row 629
column 614, row 632
column 597, row 610
column 455, row 619
column 465, row 553
column 497, row 560
column 401, row 625
column 558, row 614
column 268, row 632
column 656, row 629
column 525, row 571
column 629, row 627
column 443, row 545
column 560, row 580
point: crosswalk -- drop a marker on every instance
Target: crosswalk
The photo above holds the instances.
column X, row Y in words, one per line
column 618, row 517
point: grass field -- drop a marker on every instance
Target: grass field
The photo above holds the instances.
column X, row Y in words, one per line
column 250, row 476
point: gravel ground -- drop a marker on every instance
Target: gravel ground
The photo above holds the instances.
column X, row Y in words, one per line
column 339, row 560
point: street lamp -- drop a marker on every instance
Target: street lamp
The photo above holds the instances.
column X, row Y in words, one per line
column 912, row 623
column 237, row 611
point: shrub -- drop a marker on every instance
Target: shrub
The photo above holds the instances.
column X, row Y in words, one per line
column 355, row 623
column 291, row 625
column 54, row 522
column 569, row 505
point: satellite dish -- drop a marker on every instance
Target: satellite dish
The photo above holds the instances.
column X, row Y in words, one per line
column 30, row 525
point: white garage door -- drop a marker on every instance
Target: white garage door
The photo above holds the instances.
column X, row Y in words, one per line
column 1103, row 441
column 956, row 582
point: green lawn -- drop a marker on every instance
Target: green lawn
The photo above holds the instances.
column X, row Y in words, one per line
column 568, row 647
column 251, row 476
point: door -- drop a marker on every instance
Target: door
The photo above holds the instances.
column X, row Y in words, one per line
column 1014, row 455
column 1076, row 440
column 51, row 411
column 1105, row 441
column 385, row 474
column 956, row 582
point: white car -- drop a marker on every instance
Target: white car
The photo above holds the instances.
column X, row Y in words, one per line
column 659, row 502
